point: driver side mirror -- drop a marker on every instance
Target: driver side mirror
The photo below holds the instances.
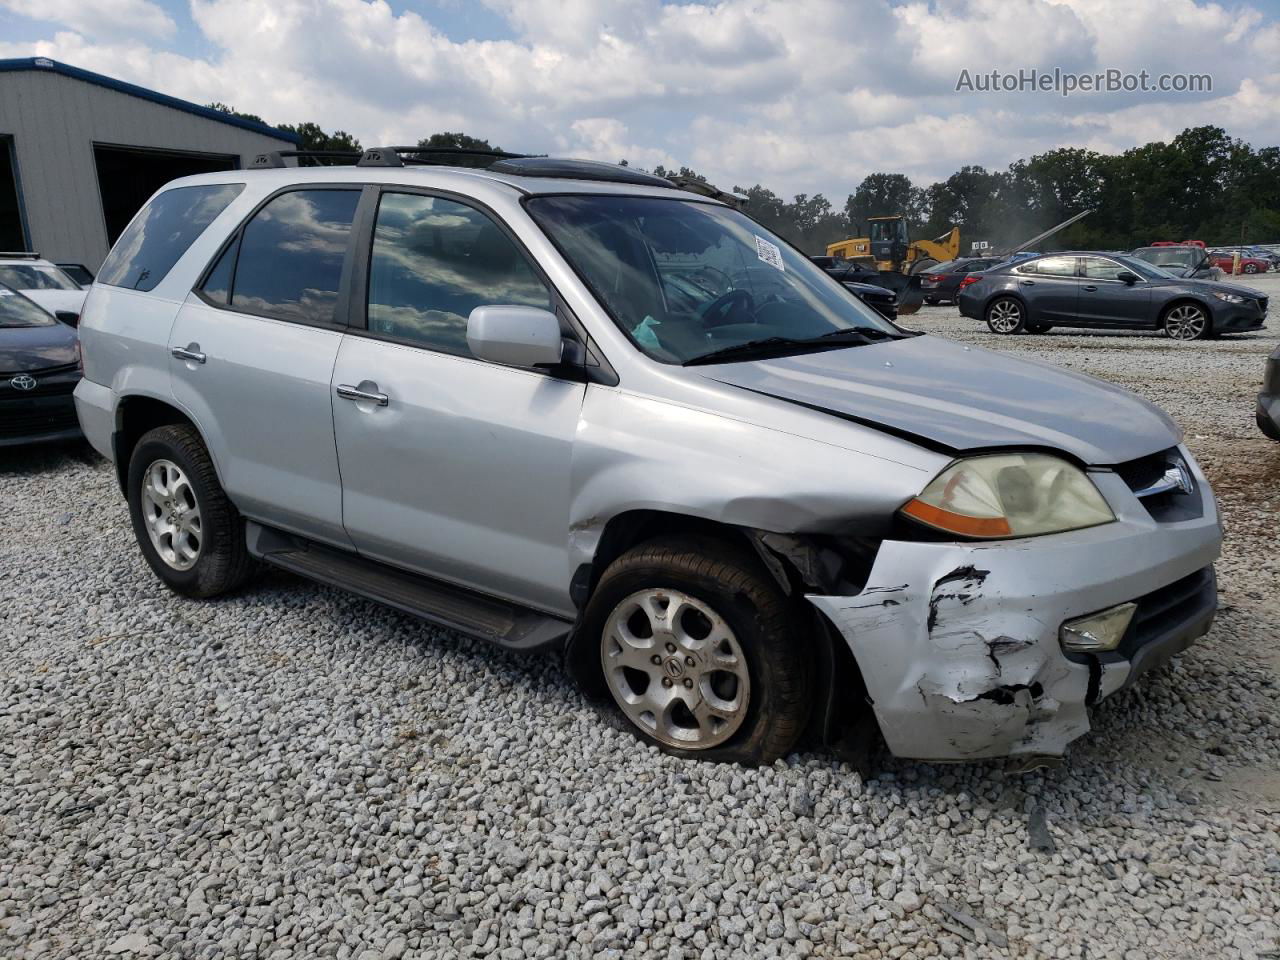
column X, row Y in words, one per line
column 1126, row 277
column 515, row 336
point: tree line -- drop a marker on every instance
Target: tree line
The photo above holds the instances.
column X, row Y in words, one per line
column 1201, row 185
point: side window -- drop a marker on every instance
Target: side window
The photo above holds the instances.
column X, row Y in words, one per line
column 436, row 260
column 1095, row 268
column 1054, row 267
column 163, row 232
column 291, row 253
column 217, row 285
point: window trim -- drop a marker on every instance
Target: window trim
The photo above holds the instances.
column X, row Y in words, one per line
column 1120, row 266
column 341, row 311
column 594, row 366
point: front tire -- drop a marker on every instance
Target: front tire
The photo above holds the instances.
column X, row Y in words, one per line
column 699, row 650
column 1006, row 316
column 191, row 535
column 1186, row 321
column 1250, row 268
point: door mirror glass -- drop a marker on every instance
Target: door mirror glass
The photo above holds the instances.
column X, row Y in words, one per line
column 516, row 336
column 1127, row 277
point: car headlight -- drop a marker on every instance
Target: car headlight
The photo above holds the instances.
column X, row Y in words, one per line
column 1229, row 297
column 1010, row 495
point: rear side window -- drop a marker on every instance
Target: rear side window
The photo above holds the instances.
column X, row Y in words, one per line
column 291, row 255
column 163, row 232
column 1052, row 267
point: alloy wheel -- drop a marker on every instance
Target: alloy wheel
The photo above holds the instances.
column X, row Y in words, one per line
column 172, row 514
column 1005, row 315
column 1185, row 322
column 675, row 668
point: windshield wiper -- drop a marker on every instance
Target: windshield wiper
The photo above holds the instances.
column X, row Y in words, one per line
column 778, row 345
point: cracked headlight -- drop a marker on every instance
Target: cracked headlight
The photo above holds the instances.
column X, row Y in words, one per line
column 1010, row 495
column 1229, row 297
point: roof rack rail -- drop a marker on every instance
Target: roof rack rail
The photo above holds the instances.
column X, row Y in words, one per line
column 399, row 156
column 275, row 159
column 19, row 255
column 704, row 189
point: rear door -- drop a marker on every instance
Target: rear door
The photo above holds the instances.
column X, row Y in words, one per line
column 1051, row 289
column 1106, row 300
column 253, row 351
column 459, row 468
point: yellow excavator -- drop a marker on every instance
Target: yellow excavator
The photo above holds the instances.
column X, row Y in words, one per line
column 892, row 260
column 893, row 251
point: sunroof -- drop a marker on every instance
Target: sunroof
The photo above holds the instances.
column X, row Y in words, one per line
column 575, row 170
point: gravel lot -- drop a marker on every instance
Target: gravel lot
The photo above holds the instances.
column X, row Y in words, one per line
column 294, row 772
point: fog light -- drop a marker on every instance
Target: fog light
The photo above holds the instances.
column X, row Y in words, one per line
column 1098, row 631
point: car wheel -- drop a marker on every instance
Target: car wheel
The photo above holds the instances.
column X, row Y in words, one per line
column 700, row 652
column 189, row 532
column 1186, row 321
column 1250, row 268
column 1006, row 315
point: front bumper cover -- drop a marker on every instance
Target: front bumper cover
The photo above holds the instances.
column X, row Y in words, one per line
column 958, row 642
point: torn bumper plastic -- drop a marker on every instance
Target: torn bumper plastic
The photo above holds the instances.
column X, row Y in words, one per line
column 958, row 642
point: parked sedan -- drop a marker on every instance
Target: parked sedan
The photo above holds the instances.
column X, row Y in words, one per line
column 1268, row 412
column 39, row 369
column 943, row 281
column 1225, row 259
column 1087, row 289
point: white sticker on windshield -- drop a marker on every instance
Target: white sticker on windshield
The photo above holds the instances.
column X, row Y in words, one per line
column 769, row 253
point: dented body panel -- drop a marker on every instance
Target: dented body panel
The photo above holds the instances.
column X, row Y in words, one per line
column 958, row 642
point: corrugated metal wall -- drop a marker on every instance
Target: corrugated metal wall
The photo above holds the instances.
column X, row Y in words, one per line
column 56, row 120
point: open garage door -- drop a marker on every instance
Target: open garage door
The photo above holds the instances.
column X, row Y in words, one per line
column 127, row 176
column 12, row 234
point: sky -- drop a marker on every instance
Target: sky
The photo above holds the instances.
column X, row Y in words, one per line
column 802, row 96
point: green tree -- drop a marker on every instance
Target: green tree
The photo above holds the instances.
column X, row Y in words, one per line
column 884, row 195
column 312, row 137
column 225, row 108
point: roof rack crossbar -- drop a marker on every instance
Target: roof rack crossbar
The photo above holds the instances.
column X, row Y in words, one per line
column 275, row 159
column 399, row 156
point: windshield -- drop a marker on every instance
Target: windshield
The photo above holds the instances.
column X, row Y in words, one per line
column 684, row 279
column 17, row 311
column 34, row 276
column 1176, row 259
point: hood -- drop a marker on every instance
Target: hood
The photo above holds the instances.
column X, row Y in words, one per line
column 55, row 300
column 945, row 396
column 31, row 349
column 1207, row 287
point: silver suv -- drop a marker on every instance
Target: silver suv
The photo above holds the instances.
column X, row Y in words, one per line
column 565, row 405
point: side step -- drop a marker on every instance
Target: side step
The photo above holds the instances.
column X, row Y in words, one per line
column 506, row 624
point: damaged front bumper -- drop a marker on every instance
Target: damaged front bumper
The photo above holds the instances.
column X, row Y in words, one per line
column 958, row 642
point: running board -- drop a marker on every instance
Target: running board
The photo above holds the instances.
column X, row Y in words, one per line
column 506, row 624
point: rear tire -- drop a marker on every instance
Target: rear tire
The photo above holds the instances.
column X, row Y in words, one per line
column 1250, row 268
column 1006, row 316
column 700, row 651
column 189, row 532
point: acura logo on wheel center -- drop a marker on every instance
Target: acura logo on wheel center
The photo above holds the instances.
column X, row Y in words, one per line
column 23, row 382
column 674, row 667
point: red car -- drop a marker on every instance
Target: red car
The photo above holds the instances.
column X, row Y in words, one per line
column 1225, row 259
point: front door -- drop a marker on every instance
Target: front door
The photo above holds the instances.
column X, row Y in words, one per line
column 1107, row 300
column 452, row 466
column 252, row 358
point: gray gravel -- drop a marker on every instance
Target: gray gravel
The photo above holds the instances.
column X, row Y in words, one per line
column 293, row 772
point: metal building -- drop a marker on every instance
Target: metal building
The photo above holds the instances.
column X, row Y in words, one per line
column 80, row 153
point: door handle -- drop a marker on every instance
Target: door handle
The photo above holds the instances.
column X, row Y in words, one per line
column 347, row 392
column 1090, row 287
column 1027, row 283
column 190, row 352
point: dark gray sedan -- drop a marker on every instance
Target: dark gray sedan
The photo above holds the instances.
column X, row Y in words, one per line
column 39, row 368
column 1086, row 289
column 1268, row 412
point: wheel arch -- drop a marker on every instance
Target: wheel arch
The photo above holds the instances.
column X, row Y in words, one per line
column 798, row 564
column 136, row 414
column 1183, row 299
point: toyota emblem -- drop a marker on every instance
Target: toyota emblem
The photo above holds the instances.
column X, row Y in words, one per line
column 23, row 381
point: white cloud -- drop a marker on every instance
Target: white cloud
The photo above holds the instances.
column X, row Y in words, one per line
column 101, row 18
column 800, row 95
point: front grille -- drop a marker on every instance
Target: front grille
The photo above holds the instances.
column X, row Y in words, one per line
column 19, row 420
column 1164, row 610
column 1168, row 506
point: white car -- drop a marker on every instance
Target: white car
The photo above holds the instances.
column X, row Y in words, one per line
column 44, row 282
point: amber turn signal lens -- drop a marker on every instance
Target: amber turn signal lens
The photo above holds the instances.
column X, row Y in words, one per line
column 957, row 522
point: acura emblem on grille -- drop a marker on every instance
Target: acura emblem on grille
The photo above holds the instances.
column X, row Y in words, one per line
column 23, row 382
